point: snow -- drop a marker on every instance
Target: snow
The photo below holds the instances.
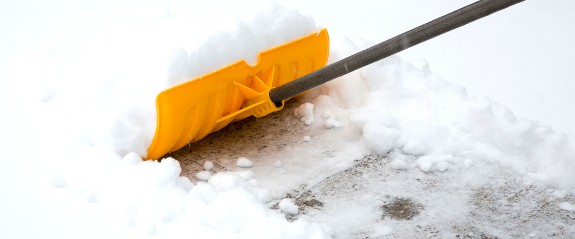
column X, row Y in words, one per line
column 329, row 120
column 78, row 89
column 567, row 206
column 94, row 93
column 379, row 138
column 264, row 195
column 531, row 74
column 399, row 164
column 434, row 163
column 269, row 28
column 204, row 175
column 208, row 165
column 244, row 162
column 278, row 164
column 288, row 206
column 305, row 113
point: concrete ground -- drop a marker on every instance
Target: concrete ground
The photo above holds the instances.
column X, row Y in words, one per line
column 359, row 195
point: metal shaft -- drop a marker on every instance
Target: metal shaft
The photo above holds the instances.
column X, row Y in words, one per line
column 394, row 45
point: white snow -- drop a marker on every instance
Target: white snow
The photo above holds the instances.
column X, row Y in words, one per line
column 567, row 206
column 244, row 162
column 208, row 165
column 399, row 164
column 78, row 83
column 435, row 163
column 379, row 138
column 278, row 164
column 288, row 206
column 305, row 113
column 264, row 195
column 203, row 175
column 329, row 120
column 88, row 115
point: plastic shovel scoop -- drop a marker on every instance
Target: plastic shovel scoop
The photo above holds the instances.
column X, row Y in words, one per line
column 190, row 111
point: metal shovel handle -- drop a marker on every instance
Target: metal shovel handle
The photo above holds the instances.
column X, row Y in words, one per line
column 387, row 48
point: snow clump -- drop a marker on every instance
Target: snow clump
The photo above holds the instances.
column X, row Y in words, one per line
column 287, row 205
column 567, row 206
column 203, row 175
column 305, row 113
column 244, row 162
column 208, row 165
column 399, row 164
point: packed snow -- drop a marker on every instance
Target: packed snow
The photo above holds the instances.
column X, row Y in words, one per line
column 305, row 113
column 208, row 165
column 244, row 162
column 203, row 175
column 567, row 206
column 288, row 206
column 80, row 113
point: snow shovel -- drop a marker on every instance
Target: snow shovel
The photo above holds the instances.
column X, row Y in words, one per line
column 188, row 112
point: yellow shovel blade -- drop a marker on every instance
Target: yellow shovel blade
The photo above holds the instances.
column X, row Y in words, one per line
column 188, row 112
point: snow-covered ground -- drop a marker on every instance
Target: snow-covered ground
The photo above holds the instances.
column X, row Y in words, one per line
column 397, row 149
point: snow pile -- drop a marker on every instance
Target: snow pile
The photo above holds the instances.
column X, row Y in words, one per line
column 154, row 199
column 95, row 95
column 398, row 105
column 110, row 76
column 268, row 28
